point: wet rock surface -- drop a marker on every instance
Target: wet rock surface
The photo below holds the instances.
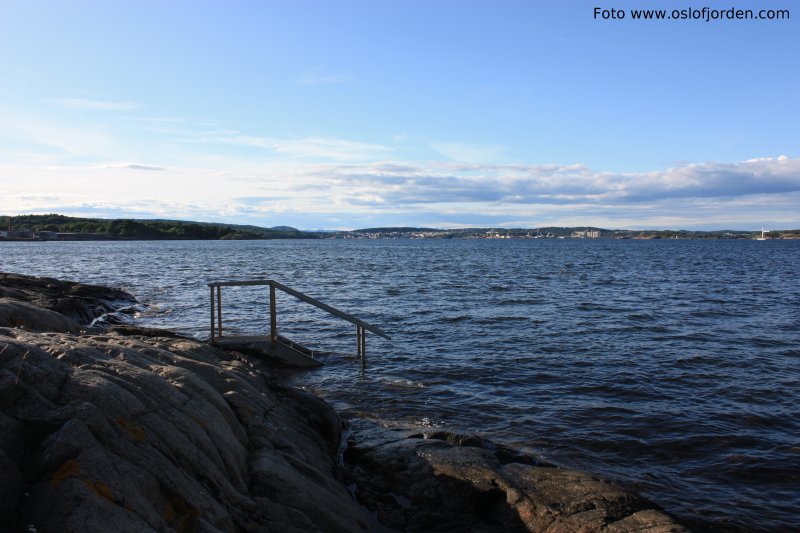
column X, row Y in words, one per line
column 132, row 429
column 77, row 301
column 442, row 481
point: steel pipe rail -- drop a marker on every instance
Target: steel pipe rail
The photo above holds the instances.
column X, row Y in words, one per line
column 215, row 288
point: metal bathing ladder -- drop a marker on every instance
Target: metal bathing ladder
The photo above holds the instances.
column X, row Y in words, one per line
column 273, row 344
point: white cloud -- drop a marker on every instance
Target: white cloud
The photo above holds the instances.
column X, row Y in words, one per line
column 706, row 195
column 73, row 140
column 98, row 105
column 304, row 148
column 336, row 149
column 132, row 166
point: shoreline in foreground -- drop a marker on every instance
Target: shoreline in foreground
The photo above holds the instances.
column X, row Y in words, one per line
column 133, row 429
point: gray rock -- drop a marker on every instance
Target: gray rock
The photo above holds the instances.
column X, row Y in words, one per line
column 135, row 429
column 440, row 481
column 136, row 433
column 77, row 301
column 18, row 314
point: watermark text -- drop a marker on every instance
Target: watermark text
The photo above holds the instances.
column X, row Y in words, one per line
column 705, row 14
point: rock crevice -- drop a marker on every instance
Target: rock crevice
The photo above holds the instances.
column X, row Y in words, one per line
column 441, row 481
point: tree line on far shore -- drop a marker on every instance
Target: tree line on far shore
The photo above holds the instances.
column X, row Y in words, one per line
column 130, row 229
column 139, row 229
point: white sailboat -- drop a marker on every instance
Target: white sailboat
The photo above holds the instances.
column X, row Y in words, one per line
column 763, row 237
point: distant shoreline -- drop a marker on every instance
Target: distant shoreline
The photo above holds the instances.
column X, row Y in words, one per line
column 445, row 235
column 54, row 227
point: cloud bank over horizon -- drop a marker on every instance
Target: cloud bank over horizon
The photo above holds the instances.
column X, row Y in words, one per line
column 339, row 195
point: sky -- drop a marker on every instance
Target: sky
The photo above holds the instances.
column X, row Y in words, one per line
column 334, row 114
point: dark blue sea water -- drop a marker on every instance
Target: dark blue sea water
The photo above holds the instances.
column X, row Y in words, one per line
column 670, row 366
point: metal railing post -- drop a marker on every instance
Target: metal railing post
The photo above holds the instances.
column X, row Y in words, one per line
column 212, row 314
column 219, row 311
column 273, row 318
column 363, row 347
column 361, row 340
column 358, row 342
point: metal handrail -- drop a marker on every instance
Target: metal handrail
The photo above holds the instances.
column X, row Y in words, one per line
column 216, row 317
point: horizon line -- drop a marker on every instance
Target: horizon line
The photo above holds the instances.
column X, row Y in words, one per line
column 406, row 226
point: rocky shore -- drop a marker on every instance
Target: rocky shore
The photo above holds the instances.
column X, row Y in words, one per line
column 128, row 429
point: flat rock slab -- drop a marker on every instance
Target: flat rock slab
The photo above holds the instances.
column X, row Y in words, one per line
column 442, row 481
column 277, row 351
column 21, row 314
column 79, row 302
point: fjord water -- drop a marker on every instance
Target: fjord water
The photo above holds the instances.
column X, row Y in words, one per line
column 670, row 366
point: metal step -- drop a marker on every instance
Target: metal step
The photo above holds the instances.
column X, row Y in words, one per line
column 288, row 352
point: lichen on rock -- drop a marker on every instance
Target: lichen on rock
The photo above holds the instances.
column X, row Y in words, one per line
column 125, row 432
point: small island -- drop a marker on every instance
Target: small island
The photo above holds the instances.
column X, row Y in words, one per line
column 55, row 227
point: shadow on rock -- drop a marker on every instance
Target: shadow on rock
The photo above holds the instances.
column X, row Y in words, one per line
column 442, row 481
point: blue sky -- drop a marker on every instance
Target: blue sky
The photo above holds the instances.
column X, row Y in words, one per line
column 340, row 114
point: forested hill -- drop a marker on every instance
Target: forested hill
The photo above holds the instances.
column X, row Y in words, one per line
column 130, row 229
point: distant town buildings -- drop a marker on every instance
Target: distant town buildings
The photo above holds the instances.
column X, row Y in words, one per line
column 47, row 235
column 28, row 230
column 28, row 235
column 16, row 234
column 586, row 234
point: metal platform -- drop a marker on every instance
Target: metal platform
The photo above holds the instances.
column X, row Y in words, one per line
column 287, row 352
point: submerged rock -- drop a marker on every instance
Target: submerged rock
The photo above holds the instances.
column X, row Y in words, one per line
column 442, row 481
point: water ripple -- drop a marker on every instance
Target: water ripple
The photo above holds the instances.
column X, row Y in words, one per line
column 672, row 366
